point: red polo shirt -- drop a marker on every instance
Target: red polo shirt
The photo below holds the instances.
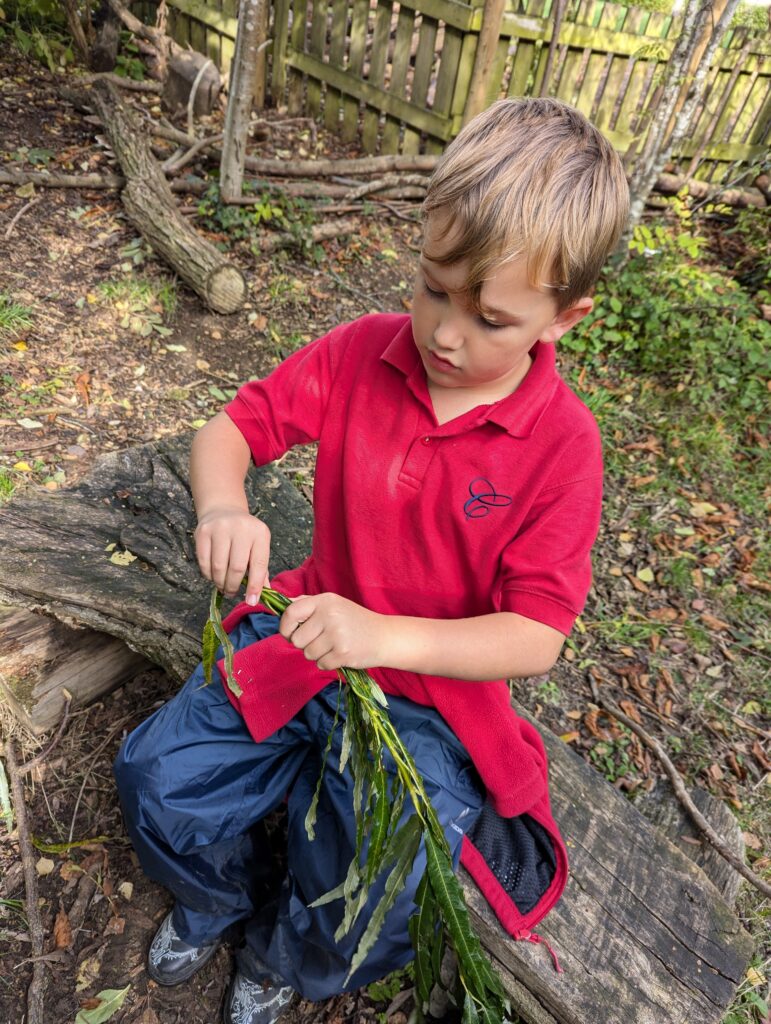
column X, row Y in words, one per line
column 494, row 511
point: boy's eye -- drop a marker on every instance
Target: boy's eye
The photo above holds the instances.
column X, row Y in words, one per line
column 489, row 324
column 432, row 291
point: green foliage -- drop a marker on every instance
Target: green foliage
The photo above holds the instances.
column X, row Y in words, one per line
column 14, row 316
column 385, row 843
column 611, row 757
column 129, row 64
column 384, row 991
column 693, row 329
column 38, row 29
column 7, row 485
column 750, row 16
column 292, row 216
column 749, row 1007
column 752, row 228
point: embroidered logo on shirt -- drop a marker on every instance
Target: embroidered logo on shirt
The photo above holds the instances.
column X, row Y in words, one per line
column 483, row 498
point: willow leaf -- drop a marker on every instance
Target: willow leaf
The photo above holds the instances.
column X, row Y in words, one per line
column 347, row 741
column 395, row 882
column 310, row 817
column 421, row 926
column 329, row 897
column 215, row 617
column 472, row 962
column 380, row 821
column 209, row 646
column 470, row 1012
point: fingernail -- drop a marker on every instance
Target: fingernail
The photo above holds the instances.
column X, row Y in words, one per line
column 251, row 599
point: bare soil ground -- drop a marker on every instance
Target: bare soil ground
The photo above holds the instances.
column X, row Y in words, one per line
column 94, row 373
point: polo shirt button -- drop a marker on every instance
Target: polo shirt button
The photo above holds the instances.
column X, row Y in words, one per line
column 426, row 440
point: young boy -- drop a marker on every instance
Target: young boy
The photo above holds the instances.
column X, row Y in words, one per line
column 457, row 496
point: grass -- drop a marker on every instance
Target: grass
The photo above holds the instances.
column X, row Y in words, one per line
column 14, row 316
column 7, row 485
column 142, row 292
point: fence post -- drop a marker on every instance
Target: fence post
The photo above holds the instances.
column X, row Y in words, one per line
column 492, row 17
column 280, row 35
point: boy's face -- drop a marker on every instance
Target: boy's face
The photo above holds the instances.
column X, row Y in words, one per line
column 487, row 353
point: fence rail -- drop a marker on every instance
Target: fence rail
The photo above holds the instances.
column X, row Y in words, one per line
column 397, row 75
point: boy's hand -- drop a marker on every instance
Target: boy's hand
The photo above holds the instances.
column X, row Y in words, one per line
column 335, row 632
column 229, row 543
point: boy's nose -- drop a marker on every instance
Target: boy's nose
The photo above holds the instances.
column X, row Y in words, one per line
column 448, row 334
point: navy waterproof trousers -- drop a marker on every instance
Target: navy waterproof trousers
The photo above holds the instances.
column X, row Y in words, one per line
column 193, row 785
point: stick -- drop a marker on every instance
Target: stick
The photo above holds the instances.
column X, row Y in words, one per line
column 36, row 991
column 39, row 758
column 176, row 163
column 387, row 182
column 132, row 84
column 22, row 211
column 682, row 794
column 191, row 98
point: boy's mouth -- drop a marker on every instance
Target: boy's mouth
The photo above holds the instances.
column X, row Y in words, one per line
column 439, row 362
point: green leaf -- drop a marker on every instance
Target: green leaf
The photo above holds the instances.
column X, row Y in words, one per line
column 394, row 884
column 310, row 817
column 470, row 1012
column 472, row 961
column 347, row 741
column 111, row 1001
column 209, row 645
column 422, row 926
column 215, row 617
column 381, row 819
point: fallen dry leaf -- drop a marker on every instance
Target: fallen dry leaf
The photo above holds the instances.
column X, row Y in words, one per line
column 62, row 930
column 711, row 622
column 44, row 866
column 115, row 926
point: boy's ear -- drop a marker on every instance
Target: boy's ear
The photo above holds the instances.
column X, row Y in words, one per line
column 567, row 318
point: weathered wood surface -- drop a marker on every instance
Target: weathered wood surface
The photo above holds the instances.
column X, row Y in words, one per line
column 642, row 934
column 151, row 208
column 40, row 657
column 54, row 554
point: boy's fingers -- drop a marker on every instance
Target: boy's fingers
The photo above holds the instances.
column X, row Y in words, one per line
column 298, row 611
column 258, row 575
column 220, row 558
column 203, row 554
column 237, row 565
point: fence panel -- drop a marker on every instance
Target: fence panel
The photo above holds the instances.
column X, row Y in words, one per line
column 397, row 75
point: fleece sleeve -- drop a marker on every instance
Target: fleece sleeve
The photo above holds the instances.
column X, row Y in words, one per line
column 545, row 572
column 287, row 407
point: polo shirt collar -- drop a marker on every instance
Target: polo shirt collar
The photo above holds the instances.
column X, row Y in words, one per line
column 518, row 413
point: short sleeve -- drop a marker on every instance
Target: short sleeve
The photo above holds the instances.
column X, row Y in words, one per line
column 287, row 407
column 545, row 572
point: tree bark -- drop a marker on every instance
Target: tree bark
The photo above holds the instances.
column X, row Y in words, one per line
column 150, row 206
column 240, row 98
column 658, row 147
column 39, row 657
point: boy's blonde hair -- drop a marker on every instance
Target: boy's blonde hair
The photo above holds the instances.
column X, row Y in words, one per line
column 532, row 178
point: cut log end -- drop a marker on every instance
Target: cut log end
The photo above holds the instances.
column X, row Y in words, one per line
column 225, row 289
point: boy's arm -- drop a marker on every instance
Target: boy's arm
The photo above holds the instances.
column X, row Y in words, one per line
column 336, row 632
column 228, row 540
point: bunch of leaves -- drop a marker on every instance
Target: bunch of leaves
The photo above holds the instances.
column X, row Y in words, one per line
column 691, row 327
column 384, row 776
column 128, row 63
column 271, row 207
column 38, row 29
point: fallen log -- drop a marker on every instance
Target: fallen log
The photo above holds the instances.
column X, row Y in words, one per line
column 41, row 658
column 642, row 933
column 150, row 206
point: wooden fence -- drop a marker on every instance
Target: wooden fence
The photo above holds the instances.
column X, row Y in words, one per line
column 397, row 75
